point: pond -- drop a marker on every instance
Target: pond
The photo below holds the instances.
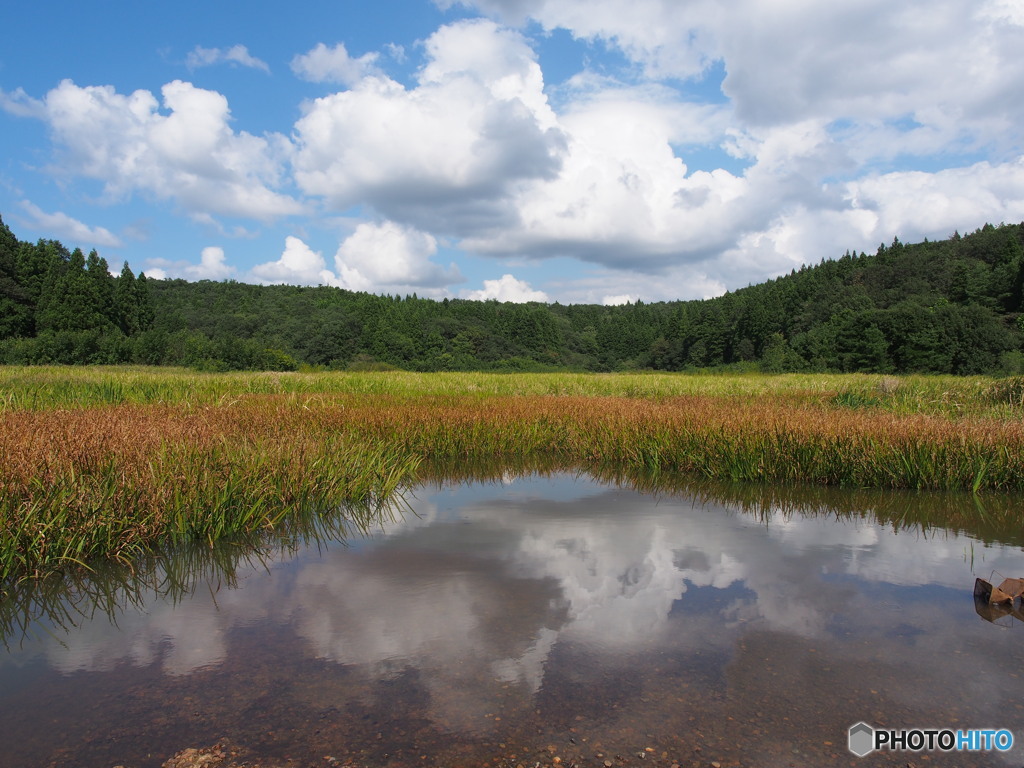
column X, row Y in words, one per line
column 529, row 618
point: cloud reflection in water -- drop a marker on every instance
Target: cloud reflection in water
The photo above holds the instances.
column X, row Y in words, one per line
column 478, row 589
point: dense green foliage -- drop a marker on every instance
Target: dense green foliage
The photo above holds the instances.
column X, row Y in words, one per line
column 941, row 307
column 60, row 306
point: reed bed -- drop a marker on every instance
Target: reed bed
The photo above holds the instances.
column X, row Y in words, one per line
column 78, row 484
column 763, row 440
column 48, row 387
column 118, row 464
column 174, row 572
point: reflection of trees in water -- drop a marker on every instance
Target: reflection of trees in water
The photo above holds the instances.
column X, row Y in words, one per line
column 174, row 571
column 57, row 604
column 992, row 518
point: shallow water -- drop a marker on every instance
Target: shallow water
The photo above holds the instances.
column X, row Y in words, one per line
column 538, row 617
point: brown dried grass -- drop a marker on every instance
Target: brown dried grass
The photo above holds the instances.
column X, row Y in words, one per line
column 79, row 482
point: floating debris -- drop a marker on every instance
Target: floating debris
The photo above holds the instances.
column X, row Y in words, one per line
column 1007, row 591
column 993, row 612
column 993, row 603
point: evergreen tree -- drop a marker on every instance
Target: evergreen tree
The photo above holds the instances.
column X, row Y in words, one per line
column 102, row 288
column 1008, row 274
column 38, row 263
column 70, row 301
column 15, row 308
column 145, row 304
column 948, row 306
column 126, row 302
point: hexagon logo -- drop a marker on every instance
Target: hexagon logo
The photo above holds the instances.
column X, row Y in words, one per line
column 862, row 739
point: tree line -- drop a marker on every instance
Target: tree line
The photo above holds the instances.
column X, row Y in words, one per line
column 951, row 306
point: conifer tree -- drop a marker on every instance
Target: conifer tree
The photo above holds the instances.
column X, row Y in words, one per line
column 15, row 309
column 102, row 288
column 36, row 264
column 126, row 302
column 146, row 314
column 69, row 301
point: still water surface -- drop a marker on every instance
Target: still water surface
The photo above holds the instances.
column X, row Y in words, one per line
column 518, row 621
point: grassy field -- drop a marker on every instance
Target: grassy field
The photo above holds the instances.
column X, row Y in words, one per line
column 45, row 387
column 104, row 462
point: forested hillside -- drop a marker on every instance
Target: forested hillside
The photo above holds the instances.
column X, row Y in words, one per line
column 952, row 306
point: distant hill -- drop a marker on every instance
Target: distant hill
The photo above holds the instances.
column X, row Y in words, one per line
column 951, row 306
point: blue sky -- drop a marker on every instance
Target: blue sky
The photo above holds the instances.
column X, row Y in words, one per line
column 556, row 150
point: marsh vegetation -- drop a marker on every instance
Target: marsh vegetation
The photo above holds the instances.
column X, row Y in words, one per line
column 105, row 462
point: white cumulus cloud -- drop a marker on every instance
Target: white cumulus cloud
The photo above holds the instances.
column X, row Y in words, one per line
column 212, row 266
column 838, row 119
column 616, row 300
column 299, row 264
column 446, row 155
column 726, row 145
column 378, row 257
column 609, row 286
column 385, row 257
column 623, row 196
column 793, row 60
column 334, row 65
column 236, row 54
column 20, row 104
column 61, row 225
column 506, row 288
column 191, row 155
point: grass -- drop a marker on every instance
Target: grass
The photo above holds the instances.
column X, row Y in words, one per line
column 48, row 387
column 101, row 462
column 77, row 484
column 173, row 572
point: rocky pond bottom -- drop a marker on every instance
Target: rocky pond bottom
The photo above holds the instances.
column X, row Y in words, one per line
column 548, row 619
